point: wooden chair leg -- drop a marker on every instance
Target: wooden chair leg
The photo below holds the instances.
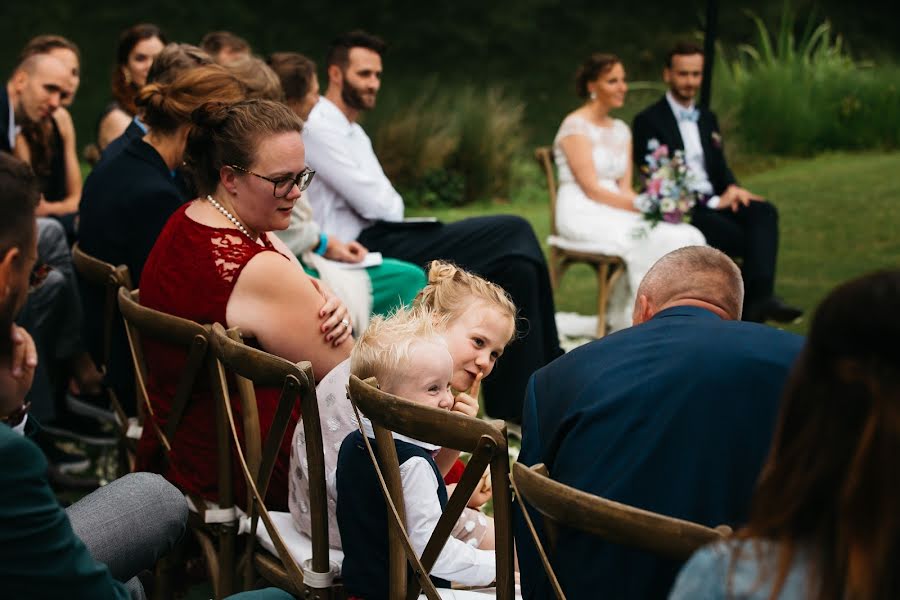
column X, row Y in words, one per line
column 554, row 265
column 602, row 297
column 227, row 538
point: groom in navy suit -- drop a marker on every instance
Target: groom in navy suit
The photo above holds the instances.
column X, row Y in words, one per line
column 673, row 415
column 733, row 219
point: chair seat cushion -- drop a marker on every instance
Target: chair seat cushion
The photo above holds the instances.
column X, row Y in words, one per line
column 469, row 594
column 299, row 544
column 577, row 246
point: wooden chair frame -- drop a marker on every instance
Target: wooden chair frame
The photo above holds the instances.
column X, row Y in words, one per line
column 561, row 505
column 487, row 443
column 257, row 458
column 217, row 540
column 608, row 267
column 109, row 277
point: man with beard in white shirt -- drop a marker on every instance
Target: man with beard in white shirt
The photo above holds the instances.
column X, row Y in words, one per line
column 353, row 199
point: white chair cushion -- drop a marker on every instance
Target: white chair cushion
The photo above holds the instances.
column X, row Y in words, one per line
column 299, row 544
column 469, row 594
column 577, row 246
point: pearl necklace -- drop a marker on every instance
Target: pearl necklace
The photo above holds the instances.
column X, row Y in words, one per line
column 230, row 217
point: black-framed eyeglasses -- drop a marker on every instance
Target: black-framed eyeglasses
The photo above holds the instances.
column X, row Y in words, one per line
column 282, row 187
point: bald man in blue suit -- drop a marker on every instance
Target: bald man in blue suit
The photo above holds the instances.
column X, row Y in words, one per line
column 673, row 415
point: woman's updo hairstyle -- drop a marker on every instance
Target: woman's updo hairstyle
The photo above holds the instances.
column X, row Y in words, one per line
column 166, row 107
column 593, row 67
column 228, row 134
column 451, row 290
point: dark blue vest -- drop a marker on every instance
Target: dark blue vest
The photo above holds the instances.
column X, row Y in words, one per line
column 362, row 517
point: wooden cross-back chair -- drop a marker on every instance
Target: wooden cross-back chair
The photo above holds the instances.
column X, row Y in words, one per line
column 253, row 367
column 110, row 278
column 214, row 525
column 487, row 443
column 564, row 253
column 562, row 505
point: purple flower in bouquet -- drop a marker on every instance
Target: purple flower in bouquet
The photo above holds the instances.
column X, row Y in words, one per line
column 667, row 194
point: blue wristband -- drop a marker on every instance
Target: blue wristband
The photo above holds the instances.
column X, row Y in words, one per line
column 323, row 245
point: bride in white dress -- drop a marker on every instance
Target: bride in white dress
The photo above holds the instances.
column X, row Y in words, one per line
column 595, row 202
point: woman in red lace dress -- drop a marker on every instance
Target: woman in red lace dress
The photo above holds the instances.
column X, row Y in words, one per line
column 216, row 261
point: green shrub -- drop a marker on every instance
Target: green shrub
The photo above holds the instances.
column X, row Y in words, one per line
column 448, row 148
column 799, row 95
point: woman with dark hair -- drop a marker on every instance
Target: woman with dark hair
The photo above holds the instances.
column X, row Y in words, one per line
column 825, row 518
column 217, row 261
column 138, row 46
column 595, row 203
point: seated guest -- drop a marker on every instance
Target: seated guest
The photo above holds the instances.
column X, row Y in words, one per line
column 823, row 521
column 49, row 145
column 385, row 287
column 137, row 48
column 733, row 219
column 217, row 261
column 410, row 360
column 675, row 414
column 173, row 60
column 259, row 79
column 107, row 537
column 224, row 46
column 34, row 92
column 353, row 199
column 477, row 320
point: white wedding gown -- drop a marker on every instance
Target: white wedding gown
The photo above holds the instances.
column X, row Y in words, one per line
column 612, row 230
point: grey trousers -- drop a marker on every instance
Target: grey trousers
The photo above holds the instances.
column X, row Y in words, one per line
column 52, row 315
column 129, row 524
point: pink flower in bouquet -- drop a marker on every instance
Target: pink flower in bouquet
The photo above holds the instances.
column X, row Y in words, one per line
column 654, row 186
column 661, row 151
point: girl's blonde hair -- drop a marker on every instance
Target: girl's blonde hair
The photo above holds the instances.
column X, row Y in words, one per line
column 384, row 349
column 451, row 290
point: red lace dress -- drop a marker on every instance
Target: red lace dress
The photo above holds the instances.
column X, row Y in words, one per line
column 190, row 273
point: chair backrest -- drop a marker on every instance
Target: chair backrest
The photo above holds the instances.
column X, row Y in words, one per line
column 561, row 505
column 487, row 443
column 111, row 278
column 253, row 367
column 143, row 323
column 544, row 157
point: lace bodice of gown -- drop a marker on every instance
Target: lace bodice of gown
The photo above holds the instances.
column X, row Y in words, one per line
column 609, row 146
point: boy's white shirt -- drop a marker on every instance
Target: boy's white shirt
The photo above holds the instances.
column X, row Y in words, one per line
column 458, row 561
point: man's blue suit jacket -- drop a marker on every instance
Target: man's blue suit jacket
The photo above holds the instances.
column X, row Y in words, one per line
column 674, row 416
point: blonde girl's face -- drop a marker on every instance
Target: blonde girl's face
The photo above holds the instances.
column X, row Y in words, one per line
column 476, row 340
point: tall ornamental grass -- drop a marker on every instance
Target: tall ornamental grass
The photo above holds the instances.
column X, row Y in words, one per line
column 801, row 94
column 448, row 147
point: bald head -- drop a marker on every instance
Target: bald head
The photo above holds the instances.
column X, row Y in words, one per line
column 691, row 276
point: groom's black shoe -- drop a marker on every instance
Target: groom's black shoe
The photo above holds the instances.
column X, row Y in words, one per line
column 772, row 309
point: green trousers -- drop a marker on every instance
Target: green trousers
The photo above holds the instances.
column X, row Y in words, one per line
column 395, row 283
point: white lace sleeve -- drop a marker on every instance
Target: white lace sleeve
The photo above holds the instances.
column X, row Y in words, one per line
column 572, row 125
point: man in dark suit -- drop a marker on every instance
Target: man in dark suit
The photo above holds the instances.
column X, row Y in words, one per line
column 673, row 415
column 733, row 219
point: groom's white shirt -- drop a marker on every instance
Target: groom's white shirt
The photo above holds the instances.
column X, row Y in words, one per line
column 693, row 150
column 350, row 190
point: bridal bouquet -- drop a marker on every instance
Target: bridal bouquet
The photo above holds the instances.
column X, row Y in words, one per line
column 667, row 194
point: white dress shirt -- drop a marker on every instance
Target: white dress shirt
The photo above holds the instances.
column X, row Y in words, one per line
column 458, row 561
column 350, row 190
column 693, row 151
column 13, row 130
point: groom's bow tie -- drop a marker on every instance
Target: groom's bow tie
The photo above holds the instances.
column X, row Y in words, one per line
column 688, row 114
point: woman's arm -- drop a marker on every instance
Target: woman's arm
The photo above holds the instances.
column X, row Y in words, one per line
column 70, row 203
column 275, row 302
column 112, row 126
column 625, row 184
column 577, row 149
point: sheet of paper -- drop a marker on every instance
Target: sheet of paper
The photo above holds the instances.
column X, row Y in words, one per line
column 372, row 259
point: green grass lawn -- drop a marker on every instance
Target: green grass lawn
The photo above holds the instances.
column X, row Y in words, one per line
column 839, row 218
